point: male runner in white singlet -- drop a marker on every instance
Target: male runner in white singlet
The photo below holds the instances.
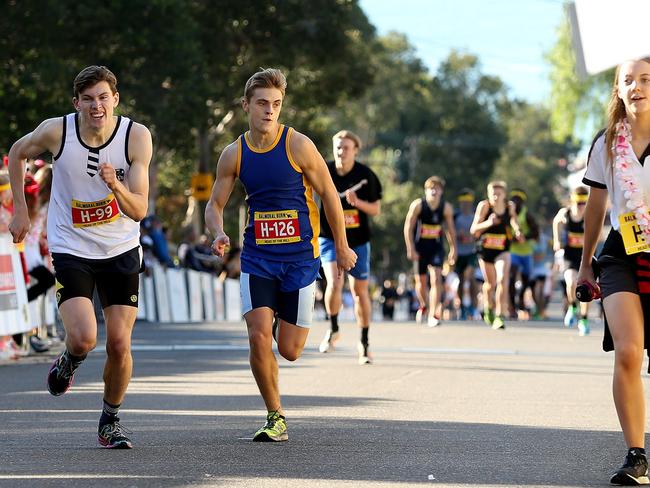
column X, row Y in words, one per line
column 100, row 190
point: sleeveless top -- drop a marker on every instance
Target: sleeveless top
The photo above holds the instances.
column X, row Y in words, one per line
column 84, row 218
column 496, row 237
column 575, row 237
column 283, row 220
column 428, row 231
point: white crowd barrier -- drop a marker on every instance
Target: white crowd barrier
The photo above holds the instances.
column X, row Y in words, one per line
column 184, row 295
column 166, row 295
column 14, row 309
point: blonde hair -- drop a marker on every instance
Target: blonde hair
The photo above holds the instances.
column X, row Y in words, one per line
column 615, row 111
column 434, row 180
column 266, row 78
column 497, row 184
column 348, row 134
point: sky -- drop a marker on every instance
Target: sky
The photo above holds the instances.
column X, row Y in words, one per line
column 509, row 37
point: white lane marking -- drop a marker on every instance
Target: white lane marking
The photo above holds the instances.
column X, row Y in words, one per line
column 188, row 347
column 411, row 350
column 74, row 476
column 453, row 350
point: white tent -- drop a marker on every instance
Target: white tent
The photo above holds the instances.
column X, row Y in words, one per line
column 607, row 32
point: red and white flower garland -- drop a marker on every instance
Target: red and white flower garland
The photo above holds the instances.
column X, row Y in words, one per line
column 627, row 177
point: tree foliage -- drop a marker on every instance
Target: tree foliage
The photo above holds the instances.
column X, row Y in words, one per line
column 574, row 103
column 182, row 67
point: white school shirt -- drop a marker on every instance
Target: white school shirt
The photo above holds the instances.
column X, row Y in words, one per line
column 84, row 217
column 600, row 174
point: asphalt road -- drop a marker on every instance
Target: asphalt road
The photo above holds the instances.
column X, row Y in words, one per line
column 458, row 405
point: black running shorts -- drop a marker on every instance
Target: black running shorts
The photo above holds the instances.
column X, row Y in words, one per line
column 116, row 279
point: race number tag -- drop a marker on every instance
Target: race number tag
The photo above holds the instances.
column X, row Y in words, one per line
column 278, row 227
column 494, row 241
column 576, row 239
column 632, row 235
column 351, row 218
column 88, row 214
column 430, row 231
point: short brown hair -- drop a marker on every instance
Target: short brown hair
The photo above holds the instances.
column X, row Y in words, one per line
column 265, row 78
column 92, row 75
column 348, row 134
column 433, row 181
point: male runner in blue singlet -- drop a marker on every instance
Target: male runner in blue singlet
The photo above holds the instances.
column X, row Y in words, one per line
column 280, row 169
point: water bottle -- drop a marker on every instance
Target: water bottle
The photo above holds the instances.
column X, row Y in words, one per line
column 586, row 292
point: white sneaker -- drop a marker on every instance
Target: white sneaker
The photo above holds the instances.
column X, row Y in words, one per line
column 330, row 340
column 364, row 355
column 433, row 322
column 419, row 315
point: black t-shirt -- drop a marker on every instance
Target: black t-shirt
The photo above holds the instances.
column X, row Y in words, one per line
column 357, row 226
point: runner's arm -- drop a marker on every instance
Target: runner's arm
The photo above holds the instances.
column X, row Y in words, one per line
column 221, row 190
column 370, row 208
column 514, row 225
column 45, row 138
column 558, row 227
column 450, row 232
column 594, row 218
column 479, row 224
column 307, row 157
column 409, row 225
column 134, row 200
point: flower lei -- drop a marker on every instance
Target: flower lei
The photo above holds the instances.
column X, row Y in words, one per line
column 624, row 164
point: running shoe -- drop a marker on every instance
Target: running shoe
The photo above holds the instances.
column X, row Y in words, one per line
column 364, row 354
column 274, row 430
column 433, row 322
column 330, row 340
column 488, row 316
column 583, row 327
column 420, row 314
column 634, row 470
column 113, row 436
column 571, row 316
column 498, row 323
column 39, row 345
column 61, row 375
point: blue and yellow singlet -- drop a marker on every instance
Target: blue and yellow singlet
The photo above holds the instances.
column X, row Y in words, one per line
column 283, row 220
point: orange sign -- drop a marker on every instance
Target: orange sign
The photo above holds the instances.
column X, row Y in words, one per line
column 202, row 186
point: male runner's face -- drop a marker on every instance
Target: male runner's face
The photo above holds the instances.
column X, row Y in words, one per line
column 344, row 151
column 579, row 208
column 263, row 109
column 496, row 194
column 433, row 192
column 96, row 105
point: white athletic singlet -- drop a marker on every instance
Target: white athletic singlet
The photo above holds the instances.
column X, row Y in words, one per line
column 84, row 218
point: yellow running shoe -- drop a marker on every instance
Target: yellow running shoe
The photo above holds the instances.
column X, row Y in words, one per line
column 274, row 430
column 498, row 323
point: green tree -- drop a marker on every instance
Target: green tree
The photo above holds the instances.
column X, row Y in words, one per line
column 529, row 158
column 576, row 104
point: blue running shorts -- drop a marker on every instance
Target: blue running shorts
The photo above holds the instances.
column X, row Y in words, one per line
column 284, row 287
column 361, row 270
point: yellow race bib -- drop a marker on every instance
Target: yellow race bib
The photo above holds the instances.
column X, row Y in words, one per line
column 632, row 234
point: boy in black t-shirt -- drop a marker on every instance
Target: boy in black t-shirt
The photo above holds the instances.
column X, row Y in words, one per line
column 360, row 192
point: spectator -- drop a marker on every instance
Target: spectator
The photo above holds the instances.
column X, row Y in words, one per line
column 157, row 232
